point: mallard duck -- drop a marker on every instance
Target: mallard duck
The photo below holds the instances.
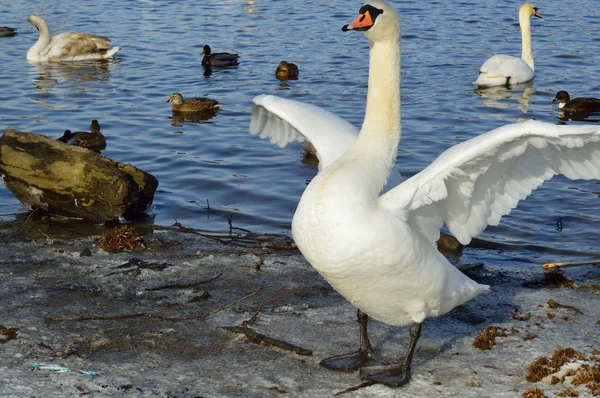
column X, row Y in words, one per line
column 5, row 31
column 194, row 104
column 93, row 140
column 505, row 70
column 378, row 250
column 68, row 46
column 582, row 104
column 218, row 59
column 67, row 138
column 286, row 70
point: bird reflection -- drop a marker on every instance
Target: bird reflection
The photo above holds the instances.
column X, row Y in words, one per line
column 501, row 97
column 79, row 73
column 251, row 7
column 193, row 117
column 310, row 154
column 590, row 117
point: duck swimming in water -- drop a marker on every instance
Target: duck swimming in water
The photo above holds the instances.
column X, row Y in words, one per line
column 194, row 104
column 5, row 31
column 286, row 71
column 581, row 104
column 218, row 59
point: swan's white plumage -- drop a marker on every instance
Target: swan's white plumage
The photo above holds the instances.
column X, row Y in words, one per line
column 500, row 70
column 496, row 70
column 284, row 121
column 475, row 183
column 69, row 46
column 378, row 250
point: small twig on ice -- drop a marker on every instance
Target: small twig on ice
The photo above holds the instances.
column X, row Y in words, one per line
column 185, row 285
column 24, row 222
column 47, row 237
column 153, row 316
column 355, row 388
column 569, row 264
column 250, row 240
column 255, row 316
column 261, row 338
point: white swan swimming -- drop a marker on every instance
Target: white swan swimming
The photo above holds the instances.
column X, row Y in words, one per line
column 378, row 251
column 505, row 70
column 69, row 46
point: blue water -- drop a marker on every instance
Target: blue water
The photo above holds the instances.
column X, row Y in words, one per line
column 258, row 184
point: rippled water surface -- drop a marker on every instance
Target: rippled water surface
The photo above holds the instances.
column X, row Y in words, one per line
column 444, row 43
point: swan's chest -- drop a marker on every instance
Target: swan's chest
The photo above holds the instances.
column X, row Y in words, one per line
column 339, row 231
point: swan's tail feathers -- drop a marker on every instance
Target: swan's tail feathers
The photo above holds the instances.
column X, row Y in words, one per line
column 110, row 52
column 460, row 290
column 485, row 80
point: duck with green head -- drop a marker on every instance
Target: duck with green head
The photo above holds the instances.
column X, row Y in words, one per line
column 218, row 59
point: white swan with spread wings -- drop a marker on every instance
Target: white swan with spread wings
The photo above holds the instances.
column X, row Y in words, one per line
column 378, row 250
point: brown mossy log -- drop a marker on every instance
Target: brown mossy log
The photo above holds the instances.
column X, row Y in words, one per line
column 71, row 181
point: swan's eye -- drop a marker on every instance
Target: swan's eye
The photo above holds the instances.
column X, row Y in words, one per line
column 375, row 12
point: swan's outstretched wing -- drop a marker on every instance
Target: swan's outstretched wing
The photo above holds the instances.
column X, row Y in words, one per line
column 475, row 183
column 284, row 121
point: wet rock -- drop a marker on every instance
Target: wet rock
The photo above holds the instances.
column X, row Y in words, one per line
column 67, row 180
column 201, row 296
column 448, row 243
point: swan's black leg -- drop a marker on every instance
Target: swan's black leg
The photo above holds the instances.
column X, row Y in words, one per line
column 394, row 375
column 355, row 360
column 507, row 84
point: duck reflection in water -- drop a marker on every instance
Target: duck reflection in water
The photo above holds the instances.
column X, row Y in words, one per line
column 199, row 117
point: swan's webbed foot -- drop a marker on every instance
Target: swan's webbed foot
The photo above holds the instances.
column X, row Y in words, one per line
column 351, row 361
column 394, row 375
column 365, row 356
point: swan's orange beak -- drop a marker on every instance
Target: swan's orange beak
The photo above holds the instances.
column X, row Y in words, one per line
column 536, row 13
column 362, row 22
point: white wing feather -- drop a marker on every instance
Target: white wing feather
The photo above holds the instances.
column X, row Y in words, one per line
column 473, row 184
column 284, row 121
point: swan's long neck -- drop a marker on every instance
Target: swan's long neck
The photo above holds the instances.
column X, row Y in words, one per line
column 42, row 41
column 377, row 143
column 526, row 53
